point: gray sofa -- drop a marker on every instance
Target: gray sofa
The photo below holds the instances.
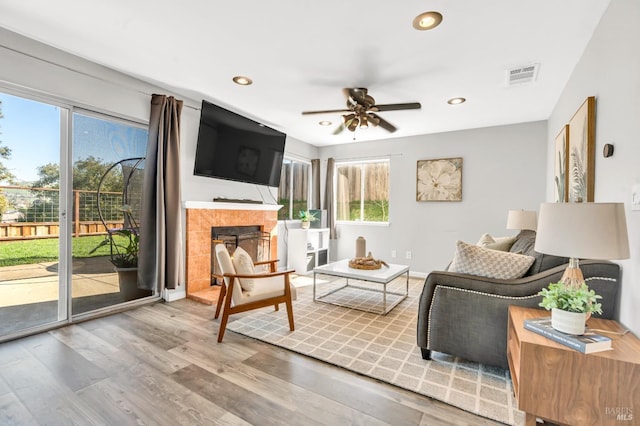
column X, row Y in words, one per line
column 466, row 315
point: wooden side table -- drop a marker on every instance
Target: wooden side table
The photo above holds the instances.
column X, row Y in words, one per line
column 561, row 385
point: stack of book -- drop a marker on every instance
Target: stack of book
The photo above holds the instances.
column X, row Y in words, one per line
column 586, row 343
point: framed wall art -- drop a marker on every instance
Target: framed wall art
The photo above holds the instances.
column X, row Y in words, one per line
column 561, row 165
column 582, row 161
column 439, row 180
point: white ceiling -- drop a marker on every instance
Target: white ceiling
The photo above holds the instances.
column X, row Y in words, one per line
column 300, row 54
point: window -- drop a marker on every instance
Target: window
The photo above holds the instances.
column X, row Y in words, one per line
column 293, row 192
column 362, row 191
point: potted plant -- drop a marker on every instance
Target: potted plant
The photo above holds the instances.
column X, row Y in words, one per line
column 124, row 246
column 306, row 217
column 570, row 306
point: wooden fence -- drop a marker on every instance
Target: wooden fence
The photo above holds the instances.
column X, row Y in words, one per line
column 35, row 230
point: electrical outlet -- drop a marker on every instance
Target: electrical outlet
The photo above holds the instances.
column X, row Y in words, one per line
column 394, row 254
column 408, row 255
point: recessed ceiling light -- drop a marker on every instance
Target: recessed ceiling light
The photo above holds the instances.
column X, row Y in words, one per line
column 427, row 21
column 325, row 123
column 242, row 80
column 456, row 101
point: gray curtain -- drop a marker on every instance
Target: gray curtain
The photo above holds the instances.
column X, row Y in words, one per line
column 315, row 184
column 160, row 260
column 328, row 199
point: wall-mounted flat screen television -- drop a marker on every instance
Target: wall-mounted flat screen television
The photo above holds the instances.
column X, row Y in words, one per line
column 234, row 147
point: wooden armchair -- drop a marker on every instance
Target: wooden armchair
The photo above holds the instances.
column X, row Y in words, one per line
column 244, row 289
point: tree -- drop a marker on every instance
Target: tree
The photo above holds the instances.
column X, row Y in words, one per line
column 88, row 172
column 49, row 176
column 5, row 153
column 86, row 175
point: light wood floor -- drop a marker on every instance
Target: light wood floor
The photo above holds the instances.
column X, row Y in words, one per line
column 161, row 365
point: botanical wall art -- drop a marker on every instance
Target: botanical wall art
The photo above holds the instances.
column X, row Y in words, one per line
column 582, row 152
column 439, row 180
column 561, row 165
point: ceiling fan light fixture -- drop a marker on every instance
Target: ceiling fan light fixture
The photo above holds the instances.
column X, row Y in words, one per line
column 363, row 122
column 427, row 21
column 353, row 124
column 456, row 101
column 348, row 117
column 242, row 80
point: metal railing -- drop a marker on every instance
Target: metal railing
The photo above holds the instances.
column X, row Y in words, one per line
column 32, row 213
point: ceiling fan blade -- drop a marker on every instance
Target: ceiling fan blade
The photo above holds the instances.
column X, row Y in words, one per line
column 384, row 123
column 339, row 129
column 396, row 107
column 328, row 111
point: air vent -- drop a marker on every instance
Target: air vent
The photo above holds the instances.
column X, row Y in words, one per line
column 520, row 75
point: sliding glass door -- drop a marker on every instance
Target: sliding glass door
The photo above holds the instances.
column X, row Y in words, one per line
column 108, row 169
column 32, row 291
column 70, row 188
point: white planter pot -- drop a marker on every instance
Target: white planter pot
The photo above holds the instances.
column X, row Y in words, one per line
column 568, row 322
column 305, row 224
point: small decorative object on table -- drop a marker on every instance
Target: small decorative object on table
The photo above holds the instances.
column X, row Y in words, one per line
column 367, row 262
column 361, row 247
column 570, row 306
column 306, row 217
column 586, row 343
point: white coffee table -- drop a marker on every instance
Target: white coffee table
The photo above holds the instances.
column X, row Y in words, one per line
column 382, row 276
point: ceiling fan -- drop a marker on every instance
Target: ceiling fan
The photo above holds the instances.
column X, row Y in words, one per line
column 361, row 111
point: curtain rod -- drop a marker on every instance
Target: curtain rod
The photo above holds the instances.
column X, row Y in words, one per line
column 46, row 61
column 377, row 157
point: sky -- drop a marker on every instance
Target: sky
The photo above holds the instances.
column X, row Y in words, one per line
column 32, row 130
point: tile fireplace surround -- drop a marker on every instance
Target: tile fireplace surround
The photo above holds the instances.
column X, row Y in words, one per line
column 201, row 216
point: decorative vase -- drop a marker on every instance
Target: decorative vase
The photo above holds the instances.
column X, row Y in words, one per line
column 361, row 247
column 568, row 322
column 305, row 224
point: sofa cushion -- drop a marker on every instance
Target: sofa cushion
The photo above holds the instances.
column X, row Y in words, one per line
column 475, row 260
column 525, row 242
column 496, row 243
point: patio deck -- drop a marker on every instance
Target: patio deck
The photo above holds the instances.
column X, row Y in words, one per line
column 29, row 293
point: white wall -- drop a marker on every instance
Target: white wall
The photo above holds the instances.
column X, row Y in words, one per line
column 503, row 168
column 610, row 70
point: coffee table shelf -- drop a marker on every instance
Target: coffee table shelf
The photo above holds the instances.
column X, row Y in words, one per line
column 377, row 282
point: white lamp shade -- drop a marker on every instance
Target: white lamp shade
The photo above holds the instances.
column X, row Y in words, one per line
column 521, row 219
column 583, row 230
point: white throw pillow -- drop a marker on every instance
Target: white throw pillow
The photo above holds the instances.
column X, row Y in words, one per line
column 243, row 264
column 475, row 260
column 496, row 243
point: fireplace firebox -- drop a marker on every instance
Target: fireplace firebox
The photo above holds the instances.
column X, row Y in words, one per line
column 252, row 239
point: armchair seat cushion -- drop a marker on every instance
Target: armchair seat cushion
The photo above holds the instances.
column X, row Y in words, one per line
column 265, row 288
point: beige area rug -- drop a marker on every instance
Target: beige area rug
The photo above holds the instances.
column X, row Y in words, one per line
column 382, row 347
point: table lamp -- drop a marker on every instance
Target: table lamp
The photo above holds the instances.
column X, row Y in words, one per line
column 582, row 231
column 521, row 220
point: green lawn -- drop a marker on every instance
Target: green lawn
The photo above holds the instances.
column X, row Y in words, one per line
column 46, row 250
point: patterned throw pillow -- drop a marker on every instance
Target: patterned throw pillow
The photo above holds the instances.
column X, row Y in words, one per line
column 243, row 264
column 475, row 260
